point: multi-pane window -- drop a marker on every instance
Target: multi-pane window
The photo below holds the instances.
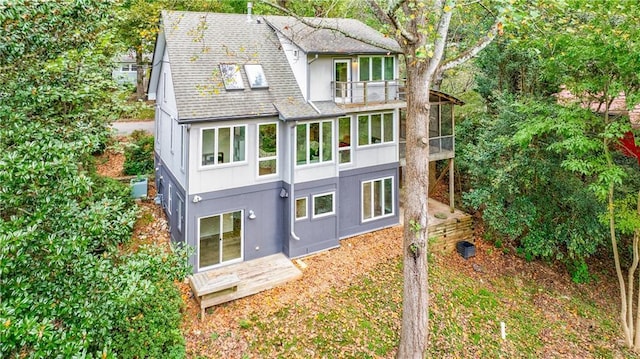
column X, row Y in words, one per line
column 267, row 149
column 344, row 135
column 377, row 198
column 376, row 68
column 314, row 142
column 375, row 128
column 223, row 145
column 323, row 205
column 301, row 208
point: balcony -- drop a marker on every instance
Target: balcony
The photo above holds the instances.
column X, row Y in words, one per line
column 367, row 92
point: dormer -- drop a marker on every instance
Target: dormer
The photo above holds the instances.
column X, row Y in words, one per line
column 358, row 71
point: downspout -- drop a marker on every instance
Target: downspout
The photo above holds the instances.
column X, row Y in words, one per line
column 292, row 195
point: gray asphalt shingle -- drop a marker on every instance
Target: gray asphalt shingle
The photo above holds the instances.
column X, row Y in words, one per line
column 197, row 43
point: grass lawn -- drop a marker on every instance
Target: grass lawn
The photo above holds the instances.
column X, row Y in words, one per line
column 545, row 316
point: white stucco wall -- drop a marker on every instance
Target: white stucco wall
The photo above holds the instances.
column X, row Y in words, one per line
column 232, row 174
column 321, row 75
column 297, row 61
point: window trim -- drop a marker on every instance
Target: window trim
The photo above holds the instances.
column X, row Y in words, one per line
column 180, row 213
column 382, row 130
column 306, row 208
column 382, row 69
column 169, row 198
column 393, row 196
column 350, row 146
column 333, row 204
column 320, row 144
column 242, row 239
column 216, row 142
column 270, row 158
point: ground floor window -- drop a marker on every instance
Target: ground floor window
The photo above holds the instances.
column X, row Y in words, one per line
column 323, row 204
column 220, row 239
column 301, row 208
column 377, row 198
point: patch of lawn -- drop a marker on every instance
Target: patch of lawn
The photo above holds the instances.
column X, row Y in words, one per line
column 363, row 320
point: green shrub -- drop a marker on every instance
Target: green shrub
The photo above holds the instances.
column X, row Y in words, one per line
column 139, row 155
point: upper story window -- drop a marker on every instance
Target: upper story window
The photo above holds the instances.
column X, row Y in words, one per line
column 375, row 128
column 231, row 76
column 314, row 142
column 344, row 136
column 256, row 77
column 223, row 145
column 267, row 149
column 376, row 68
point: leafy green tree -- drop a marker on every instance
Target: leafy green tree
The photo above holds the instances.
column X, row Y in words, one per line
column 592, row 49
column 527, row 198
column 66, row 289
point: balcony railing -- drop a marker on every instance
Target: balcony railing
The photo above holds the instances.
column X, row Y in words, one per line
column 366, row 92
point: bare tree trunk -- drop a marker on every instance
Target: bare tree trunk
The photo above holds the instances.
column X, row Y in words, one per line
column 636, row 255
column 139, row 75
column 415, row 314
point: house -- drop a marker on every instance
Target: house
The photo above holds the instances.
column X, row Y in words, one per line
column 275, row 136
column 125, row 69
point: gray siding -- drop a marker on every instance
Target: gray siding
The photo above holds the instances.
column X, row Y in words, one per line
column 316, row 234
column 350, row 200
column 176, row 199
column 263, row 235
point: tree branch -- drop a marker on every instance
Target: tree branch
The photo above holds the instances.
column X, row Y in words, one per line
column 441, row 39
column 390, row 18
column 320, row 26
column 473, row 51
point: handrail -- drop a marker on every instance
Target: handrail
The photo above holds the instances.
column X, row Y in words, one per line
column 365, row 92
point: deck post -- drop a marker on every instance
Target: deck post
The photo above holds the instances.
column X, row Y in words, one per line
column 452, row 206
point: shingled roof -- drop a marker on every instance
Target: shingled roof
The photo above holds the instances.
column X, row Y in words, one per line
column 197, row 43
column 331, row 39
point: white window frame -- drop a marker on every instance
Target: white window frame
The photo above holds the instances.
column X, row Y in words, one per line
column 306, row 208
column 180, row 212
column 351, row 138
column 169, row 199
column 269, row 158
column 320, row 144
column 242, row 238
column 370, row 69
column 215, row 163
column 333, row 205
column 383, row 129
column 393, row 196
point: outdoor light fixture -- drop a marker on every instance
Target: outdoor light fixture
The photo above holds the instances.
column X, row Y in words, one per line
column 252, row 214
column 197, row 199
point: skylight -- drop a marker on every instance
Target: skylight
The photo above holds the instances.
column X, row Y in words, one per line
column 231, row 76
column 256, row 76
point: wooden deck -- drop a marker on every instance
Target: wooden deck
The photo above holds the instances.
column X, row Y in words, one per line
column 446, row 232
column 252, row 277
